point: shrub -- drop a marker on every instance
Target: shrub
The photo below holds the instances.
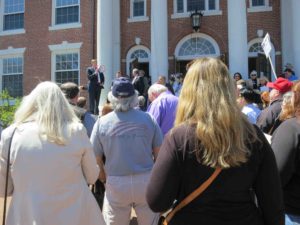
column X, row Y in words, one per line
column 8, row 106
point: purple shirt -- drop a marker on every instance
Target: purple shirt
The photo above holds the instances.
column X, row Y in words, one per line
column 163, row 109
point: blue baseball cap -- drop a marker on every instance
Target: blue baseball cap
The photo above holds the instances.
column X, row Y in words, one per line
column 123, row 88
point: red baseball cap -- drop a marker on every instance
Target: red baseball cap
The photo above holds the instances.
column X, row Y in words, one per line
column 281, row 84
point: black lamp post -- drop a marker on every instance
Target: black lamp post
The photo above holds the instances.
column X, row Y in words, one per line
column 196, row 18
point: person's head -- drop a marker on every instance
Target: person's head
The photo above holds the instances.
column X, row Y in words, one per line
column 141, row 101
column 161, row 80
column 47, row 106
column 81, row 102
column 135, row 72
column 265, row 98
column 288, row 73
column 295, row 101
column 123, row 96
column 279, row 87
column 107, row 108
column 253, row 75
column 141, row 73
column 263, row 80
column 94, row 63
column 237, row 76
column 287, row 110
column 118, row 74
column 179, row 77
column 155, row 90
column 248, row 95
column 208, row 100
column 71, row 91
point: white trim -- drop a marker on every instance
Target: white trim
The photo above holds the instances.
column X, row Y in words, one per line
column 195, row 35
column 264, row 8
column 65, row 25
column 64, row 48
column 137, row 18
column 254, row 54
column 12, row 32
column 10, row 51
column 133, row 49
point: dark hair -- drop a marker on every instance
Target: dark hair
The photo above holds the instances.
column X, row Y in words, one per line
column 249, row 95
column 288, row 70
column 239, row 74
column 70, row 90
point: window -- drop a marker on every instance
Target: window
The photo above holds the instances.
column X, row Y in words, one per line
column 65, row 62
column 13, row 17
column 258, row 3
column 65, row 14
column 259, row 6
column 137, row 11
column 196, row 45
column 183, row 8
column 66, row 11
column 66, row 68
column 12, row 75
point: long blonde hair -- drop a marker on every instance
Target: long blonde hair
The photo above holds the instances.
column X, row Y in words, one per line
column 208, row 100
column 47, row 106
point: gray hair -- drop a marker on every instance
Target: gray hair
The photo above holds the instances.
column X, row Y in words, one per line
column 123, row 104
column 157, row 89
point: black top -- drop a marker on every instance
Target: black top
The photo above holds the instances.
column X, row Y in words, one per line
column 229, row 199
column 268, row 116
column 286, row 146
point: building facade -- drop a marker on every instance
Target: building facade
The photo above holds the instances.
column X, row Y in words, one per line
column 55, row 39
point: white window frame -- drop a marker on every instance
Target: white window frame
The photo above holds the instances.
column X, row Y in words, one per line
column 54, row 26
column 132, row 18
column 186, row 14
column 10, row 53
column 265, row 8
column 131, row 51
column 64, row 48
column 9, row 32
column 196, row 35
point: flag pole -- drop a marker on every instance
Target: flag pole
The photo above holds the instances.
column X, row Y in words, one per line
column 272, row 67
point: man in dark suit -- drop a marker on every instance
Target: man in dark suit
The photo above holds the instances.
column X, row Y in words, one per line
column 138, row 81
column 96, row 82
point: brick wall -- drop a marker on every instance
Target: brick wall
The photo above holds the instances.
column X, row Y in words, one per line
column 37, row 57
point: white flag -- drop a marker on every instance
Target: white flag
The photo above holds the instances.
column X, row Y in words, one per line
column 266, row 45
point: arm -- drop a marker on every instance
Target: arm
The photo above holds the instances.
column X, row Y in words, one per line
column 285, row 144
column 165, row 178
column 6, row 135
column 155, row 152
column 102, row 78
column 268, row 188
column 155, row 111
column 88, row 162
column 91, row 73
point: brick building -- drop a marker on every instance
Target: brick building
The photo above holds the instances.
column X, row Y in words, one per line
column 55, row 39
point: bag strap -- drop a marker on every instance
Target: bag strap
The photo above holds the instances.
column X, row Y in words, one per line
column 6, row 179
column 194, row 194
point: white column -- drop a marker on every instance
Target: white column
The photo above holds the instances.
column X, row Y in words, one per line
column 237, row 37
column 116, row 37
column 159, row 39
column 296, row 35
column 108, row 44
column 286, row 32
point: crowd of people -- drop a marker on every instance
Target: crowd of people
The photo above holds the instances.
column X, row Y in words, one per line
column 151, row 145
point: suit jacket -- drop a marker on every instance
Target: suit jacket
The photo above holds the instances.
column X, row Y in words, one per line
column 48, row 182
column 93, row 79
column 139, row 84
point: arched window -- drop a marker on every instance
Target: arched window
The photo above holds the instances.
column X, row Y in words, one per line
column 139, row 54
column 195, row 46
column 256, row 47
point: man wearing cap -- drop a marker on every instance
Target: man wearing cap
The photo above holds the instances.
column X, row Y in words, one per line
column 268, row 116
column 130, row 140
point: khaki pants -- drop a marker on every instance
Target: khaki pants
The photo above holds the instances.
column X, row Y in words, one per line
column 124, row 193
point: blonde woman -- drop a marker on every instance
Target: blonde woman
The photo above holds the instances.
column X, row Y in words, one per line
column 210, row 131
column 51, row 162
